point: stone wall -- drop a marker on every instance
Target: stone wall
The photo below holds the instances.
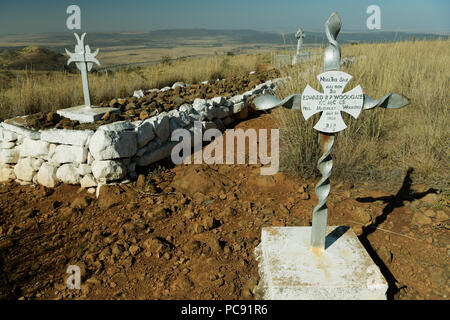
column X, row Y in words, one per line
column 113, row 151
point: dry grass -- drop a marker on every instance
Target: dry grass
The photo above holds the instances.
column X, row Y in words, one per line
column 380, row 144
column 32, row 92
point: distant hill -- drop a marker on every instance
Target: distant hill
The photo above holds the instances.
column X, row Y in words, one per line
column 35, row 58
column 180, row 37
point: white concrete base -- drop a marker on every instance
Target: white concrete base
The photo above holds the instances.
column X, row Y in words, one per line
column 291, row 270
column 86, row 114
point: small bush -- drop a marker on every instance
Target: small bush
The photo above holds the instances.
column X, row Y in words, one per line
column 166, row 59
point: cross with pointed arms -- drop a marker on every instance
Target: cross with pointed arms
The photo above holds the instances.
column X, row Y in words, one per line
column 84, row 59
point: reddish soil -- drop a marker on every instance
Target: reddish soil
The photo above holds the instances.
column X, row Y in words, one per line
column 189, row 232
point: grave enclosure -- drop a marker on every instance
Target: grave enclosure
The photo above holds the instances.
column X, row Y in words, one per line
column 113, row 151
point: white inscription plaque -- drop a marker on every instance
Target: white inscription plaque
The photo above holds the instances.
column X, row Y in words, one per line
column 332, row 101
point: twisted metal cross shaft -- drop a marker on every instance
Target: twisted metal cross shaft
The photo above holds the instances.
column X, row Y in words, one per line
column 332, row 61
column 320, row 212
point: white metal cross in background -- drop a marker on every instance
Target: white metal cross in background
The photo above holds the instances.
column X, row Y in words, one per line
column 84, row 59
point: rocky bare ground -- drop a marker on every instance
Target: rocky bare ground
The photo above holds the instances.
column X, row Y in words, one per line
column 189, row 232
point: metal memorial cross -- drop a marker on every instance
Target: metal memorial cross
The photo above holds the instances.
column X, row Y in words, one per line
column 299, row 35
column 84, row 59
column 330, row 103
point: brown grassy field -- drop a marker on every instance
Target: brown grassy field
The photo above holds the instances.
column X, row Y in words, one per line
column 380, row 144
column 32, row 92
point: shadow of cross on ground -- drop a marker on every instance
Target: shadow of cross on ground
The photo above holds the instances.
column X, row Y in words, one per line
column 395, row 201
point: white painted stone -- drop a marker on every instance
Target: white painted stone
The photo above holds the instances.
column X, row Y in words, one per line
column 152, row 156
column 248, row 94
column 85, row 114
column 7, row 145
column 9, row 155
column 261, row 86
column 34, row 148
column 108, row 170
column 84, row 169
column 185, row 108
column 24, row 169
column 36, row 163
column 88, row 181
column 238, row 107
column 7, row 173
column 68, row 173
column 99, row 186
column 119, row 126
column 91, row 190
column 35, row 180
column 64, row 136
column 165, row 89
column 6, row 135
column 218, row 101
column 138, row 94
column 31, row 134
column 47, row 175
column 67, row 154
column 106, row 145
column 199, row 104
column 145, row 133
column 20, row 139
column 238, row 98
column 178, row 84
column 291, row 270
column 51, row 151
column 23, row 183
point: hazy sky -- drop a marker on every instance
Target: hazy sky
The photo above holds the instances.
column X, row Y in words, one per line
column 27, row 16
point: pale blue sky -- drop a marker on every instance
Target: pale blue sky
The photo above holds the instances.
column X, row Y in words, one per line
column 27, row 16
